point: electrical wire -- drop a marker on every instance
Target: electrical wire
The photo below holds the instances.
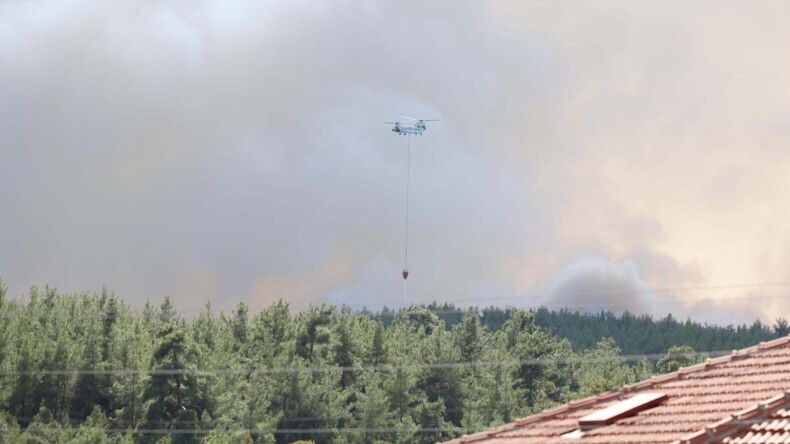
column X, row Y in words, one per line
column 324, row 430
column 367, row 368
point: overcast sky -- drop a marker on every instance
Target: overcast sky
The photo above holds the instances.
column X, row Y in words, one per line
column 597, row 155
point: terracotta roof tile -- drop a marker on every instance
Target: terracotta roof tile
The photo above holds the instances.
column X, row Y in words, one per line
column 739, row 398
column 775, row 429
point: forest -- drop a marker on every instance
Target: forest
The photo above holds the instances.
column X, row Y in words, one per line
column 634, row 334
column 86, row 368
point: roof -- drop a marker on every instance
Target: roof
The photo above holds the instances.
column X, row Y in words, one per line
column 738, row 398
column 775, row 429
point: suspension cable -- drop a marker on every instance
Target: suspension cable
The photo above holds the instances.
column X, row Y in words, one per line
column 406, row 228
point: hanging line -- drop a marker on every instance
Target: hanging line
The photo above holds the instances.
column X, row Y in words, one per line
column 406, row 229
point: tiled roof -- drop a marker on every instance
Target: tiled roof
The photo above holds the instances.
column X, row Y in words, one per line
column 775, row 429
column 722, row 400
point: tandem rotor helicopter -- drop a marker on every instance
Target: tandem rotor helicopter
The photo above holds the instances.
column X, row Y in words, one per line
column 416, row 128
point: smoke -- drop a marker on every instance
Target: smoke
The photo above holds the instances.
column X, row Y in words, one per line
column 237, row 153
column 594, row 284
column 233, row 151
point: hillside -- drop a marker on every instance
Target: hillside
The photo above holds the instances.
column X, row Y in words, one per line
column 634, row 334
column 86, row 368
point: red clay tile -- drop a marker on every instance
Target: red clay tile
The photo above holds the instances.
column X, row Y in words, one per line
column 739, row 398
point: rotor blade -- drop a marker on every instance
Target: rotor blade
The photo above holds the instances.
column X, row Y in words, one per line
column 391, row 122
column 430, row 120
column 407, row 117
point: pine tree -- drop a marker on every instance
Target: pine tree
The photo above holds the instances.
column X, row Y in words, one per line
column 470, row 339
column 604, row 369
column 781, row 327
column 441, row 380
column 92, row 430
column 343, row 349
column 131, row 349
column 378, row 348
column 174, row 398
column 314, row 330
column 677, row 356
column 372, row 408
column 527, row 343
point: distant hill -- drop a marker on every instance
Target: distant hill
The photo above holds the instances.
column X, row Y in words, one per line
column 634, row 334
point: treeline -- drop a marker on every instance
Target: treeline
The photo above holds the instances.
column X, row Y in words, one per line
column 634, row 334
column 88, row 369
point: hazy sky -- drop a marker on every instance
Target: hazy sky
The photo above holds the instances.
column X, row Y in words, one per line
column 597, row 155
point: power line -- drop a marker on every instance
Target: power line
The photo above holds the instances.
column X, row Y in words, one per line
column 324, row 430
column 368, row 368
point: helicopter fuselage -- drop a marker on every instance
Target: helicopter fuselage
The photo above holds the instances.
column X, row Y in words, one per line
column 410, row 129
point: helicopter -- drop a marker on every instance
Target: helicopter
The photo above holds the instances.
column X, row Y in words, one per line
column 417, row 128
